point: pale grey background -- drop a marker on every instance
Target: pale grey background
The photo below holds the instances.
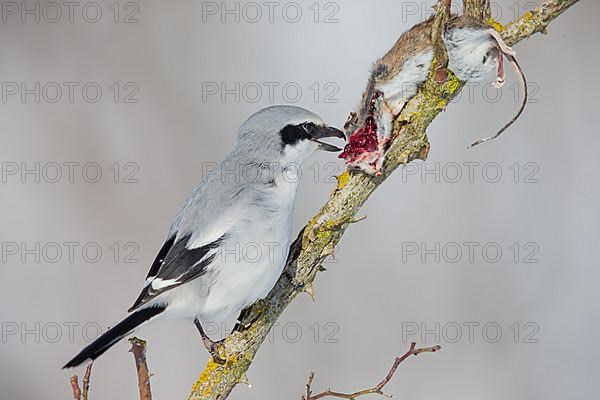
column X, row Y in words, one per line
column 369, row 292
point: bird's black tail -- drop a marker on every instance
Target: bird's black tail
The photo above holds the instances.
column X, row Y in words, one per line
column 113, row 335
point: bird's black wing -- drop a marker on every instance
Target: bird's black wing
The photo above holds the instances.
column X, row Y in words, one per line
column 175, row 265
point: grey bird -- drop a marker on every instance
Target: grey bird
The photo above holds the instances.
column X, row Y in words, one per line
column 229, row 241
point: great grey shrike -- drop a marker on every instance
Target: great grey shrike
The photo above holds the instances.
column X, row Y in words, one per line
column 229, row 241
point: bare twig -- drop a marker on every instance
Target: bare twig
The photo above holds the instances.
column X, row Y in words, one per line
column 448, row 6
column 75, row 387
column 479, row 9
column 317, row 238
column 440, row 56
column 377, row 389
column 79, row 394
column 138, row 348
column 86, row 381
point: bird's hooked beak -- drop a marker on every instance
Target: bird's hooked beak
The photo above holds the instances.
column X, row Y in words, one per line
column 323, row 132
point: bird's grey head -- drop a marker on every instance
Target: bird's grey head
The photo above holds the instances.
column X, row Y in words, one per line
column 283, row 134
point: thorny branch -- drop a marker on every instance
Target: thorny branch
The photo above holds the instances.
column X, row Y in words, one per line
column 377, row 389
column 318, row 238
column 138, row 348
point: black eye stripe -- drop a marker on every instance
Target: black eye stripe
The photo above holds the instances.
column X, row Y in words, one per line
column 291, row 134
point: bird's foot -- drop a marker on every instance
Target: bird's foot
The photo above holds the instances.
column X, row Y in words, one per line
column 213, row 348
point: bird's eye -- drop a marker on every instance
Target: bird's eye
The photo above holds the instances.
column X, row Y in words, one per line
column 309, row 126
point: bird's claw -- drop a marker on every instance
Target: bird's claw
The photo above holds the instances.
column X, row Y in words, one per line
column 213, row 349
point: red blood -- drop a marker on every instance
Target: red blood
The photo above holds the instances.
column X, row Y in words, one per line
column 363, row 139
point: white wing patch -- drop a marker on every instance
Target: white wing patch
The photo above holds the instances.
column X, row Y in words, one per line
column 161, row 284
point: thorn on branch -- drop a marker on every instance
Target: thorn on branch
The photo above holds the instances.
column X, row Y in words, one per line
column 138, row 348
column 244, row 379
column 309, row 289
column 358, row 219
column 377, row 389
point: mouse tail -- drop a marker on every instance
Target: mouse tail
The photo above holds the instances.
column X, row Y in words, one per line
column 510, row 55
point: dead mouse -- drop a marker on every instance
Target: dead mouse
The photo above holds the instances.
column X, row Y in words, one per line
column 474, row 48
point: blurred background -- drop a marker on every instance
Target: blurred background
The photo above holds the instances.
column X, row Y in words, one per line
column 112, row 111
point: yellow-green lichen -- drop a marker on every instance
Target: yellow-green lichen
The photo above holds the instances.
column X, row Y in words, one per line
column 231, row 358
column 526, row 17
column 202, row 385
column 451, row 85
column 330, row 224
column 496, row 25
column 342, row 179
